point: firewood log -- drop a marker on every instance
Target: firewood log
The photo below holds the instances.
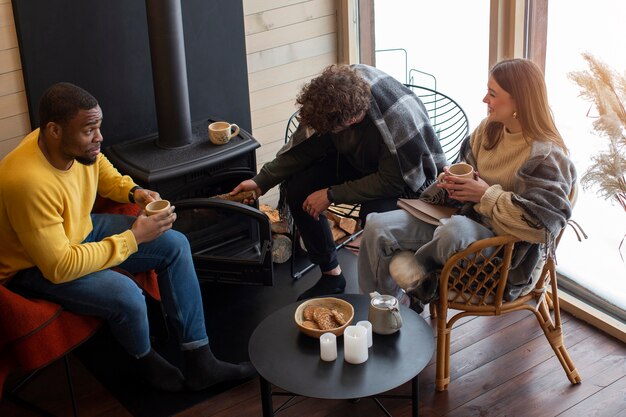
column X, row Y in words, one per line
column 344, row 223
column 239, row 198
column 281, row 248
column 348, row 225
column 277, row 224
column 332, row 217
column 337, row 233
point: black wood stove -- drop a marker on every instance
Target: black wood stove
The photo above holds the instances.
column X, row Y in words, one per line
column 231, row 242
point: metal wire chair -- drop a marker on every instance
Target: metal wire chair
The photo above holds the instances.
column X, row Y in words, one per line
column 447, row 117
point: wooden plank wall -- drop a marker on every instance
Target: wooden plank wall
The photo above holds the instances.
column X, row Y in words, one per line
column 14, row 121
column 288, row 42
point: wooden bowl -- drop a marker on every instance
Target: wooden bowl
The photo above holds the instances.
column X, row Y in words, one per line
column 331, row 303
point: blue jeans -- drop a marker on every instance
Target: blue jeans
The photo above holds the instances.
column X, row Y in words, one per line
column 117, row 298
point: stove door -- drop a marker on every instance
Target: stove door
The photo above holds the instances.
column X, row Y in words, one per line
column 230, row 242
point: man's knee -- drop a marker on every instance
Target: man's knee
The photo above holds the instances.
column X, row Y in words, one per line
column 297, row 190
column 175, row 241
column 127, row 299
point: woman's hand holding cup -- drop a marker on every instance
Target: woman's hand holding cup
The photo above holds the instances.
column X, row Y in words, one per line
column 458, row 170
column 462, row 183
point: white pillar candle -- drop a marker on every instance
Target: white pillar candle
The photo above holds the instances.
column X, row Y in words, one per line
column 368, row 326
column 328, row 347
column 355, row 344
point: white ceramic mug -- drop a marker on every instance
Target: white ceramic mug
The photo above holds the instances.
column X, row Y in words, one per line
column 460, row 170
column 220, row 133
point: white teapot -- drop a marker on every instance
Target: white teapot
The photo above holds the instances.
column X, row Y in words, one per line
column 384, row 313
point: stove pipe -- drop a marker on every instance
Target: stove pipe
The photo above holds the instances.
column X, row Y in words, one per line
column 169, row 73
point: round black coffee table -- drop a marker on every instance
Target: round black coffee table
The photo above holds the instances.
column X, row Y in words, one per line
column 290, row 360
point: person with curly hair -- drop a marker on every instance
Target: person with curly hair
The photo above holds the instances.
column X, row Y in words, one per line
column 363, row 138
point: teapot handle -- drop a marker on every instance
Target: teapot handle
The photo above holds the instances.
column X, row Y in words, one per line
column 395, row 312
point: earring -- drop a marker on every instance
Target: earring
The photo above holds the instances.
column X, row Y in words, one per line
column 515, row 115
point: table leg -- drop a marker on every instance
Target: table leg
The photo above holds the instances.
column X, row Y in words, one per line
column 266, row 398
column 414, row 399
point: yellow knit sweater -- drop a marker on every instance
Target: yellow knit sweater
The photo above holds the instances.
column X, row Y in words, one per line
column 45, row 215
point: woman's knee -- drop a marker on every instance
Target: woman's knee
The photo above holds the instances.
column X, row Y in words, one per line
column 379, row 235
column 452, row 227
column 458, row 232
column 375, row 224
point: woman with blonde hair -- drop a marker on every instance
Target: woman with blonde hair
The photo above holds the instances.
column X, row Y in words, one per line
column 522, row 181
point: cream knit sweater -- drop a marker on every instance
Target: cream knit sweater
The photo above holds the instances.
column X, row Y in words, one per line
column 45, row 215
column 499, row 167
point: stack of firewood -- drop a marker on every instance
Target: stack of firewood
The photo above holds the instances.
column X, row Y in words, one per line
column 282, row 242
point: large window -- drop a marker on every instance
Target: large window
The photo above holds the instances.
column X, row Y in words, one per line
column 594, row 267
column 446, row 38
column 450, row 40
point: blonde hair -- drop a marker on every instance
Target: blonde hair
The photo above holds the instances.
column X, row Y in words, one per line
column 524, row 81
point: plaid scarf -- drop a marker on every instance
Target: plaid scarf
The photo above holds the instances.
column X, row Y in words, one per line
column 405, row 127
column 542, row 191
column 403, row 123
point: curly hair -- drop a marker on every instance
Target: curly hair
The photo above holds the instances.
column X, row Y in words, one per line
column 333, row 98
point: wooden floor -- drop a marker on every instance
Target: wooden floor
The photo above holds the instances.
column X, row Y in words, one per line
column 500, row 366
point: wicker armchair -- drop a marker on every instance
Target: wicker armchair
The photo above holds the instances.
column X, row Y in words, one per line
column 473, row 281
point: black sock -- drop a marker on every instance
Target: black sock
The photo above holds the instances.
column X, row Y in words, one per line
column 203, row 370
column 327, row 284
column 160, row 373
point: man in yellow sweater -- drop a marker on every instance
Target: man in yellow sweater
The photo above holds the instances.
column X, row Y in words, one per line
column 53, row 247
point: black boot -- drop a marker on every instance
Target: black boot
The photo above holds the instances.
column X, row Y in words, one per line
column 327, row 284
column 203, row 370
column 426, row 289
column 160, row 373
column 416, row 305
